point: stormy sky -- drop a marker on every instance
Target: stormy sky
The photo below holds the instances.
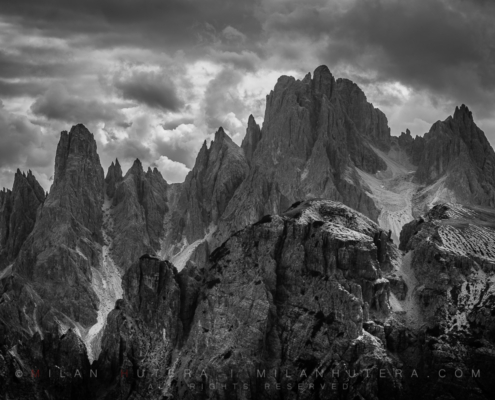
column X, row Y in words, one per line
column 152, row 79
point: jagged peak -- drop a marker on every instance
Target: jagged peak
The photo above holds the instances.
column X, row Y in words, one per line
column 251, row 120
column 322, row 70
column 407, row 134
column 251, row 139
column 137, row 166
column 79, row 141
column 80, row 130
column 220, row 135
column 462, row 113
column 323, row 80
column 114, row 170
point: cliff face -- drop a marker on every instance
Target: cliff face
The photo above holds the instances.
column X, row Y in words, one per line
column 252, row 138
column 316, row 132
column 137, row 211
column 203, row 198
column 288, row 294
column 18, row 214
column 455, row 163
column 451, row 254
column 66, row 240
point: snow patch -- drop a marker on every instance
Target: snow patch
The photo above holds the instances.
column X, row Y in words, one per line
column 6, row 272
column 182, row 257
column 304, row 174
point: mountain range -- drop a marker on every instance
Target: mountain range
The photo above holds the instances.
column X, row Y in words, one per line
column 316, row 260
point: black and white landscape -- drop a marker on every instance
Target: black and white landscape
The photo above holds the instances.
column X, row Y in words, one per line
column 160, row 240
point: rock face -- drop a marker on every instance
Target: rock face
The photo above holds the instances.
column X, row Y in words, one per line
column 66, row 240
column 18, row 214
column 316, row 132
column 455, row 163
column 246, row 281
column 143, row 330
column 283, row 297
column 205, row 194
column 48, row 302
column 252, row 138
column 137, row 209
column 414, row 147
column 452, row 255
column 113, row 178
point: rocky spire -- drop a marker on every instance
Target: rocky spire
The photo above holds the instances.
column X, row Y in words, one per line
column 78, row 181
column 462, row 113
column 18, row 214
column 139, row 208
column 208, row 188
column 252, row 138
column 459, row 152
column 113, row 178
column 323, row 81
column 65, row 243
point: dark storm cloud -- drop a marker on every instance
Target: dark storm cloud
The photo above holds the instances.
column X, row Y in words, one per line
column 155, row 90
column 17, row 134
column 148, row 23
column 58, row 104
column 444, row 47
column 18, row 89
column 27, row 65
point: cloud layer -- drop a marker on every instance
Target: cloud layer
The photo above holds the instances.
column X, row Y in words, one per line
column 154, row 79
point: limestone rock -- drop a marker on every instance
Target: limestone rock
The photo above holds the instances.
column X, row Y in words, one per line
column 252, row 138
column 453, row 257
column 66, row 240
column 206, row 192
column 316, row 132
column 138, row 209
column 18, row 214
column 113, row 178
column 286, row 295
column 459, row 159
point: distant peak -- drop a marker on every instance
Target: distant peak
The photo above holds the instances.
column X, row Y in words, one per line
column 462, row 113
column 252, row 123
column 220, row 134
column 323, row 80
column 220, row 137
column 136, row 167
column 80, row 129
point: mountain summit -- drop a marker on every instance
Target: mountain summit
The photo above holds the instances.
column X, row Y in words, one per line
column 279, row 255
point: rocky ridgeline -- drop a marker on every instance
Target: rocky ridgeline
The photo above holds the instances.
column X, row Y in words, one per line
column 204, row 196
column 18, row 209
column 455, row 163
column 250, row 287
column 287, row 295
column 452, row 254
column 316, row 132
column 138, row 205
